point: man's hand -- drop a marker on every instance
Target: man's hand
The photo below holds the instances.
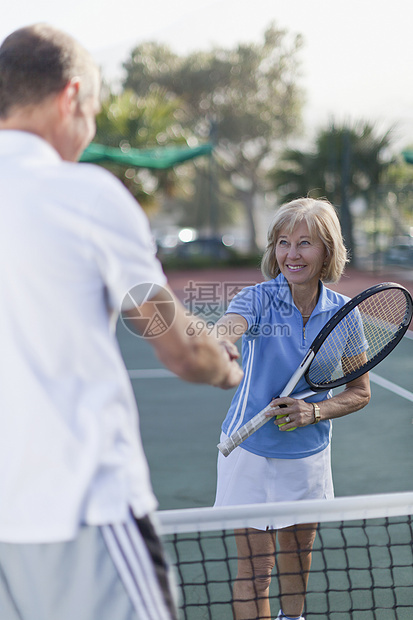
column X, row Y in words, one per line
column 235, row 372
column 198, row 358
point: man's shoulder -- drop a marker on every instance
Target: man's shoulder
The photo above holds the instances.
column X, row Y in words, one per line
column 91, row 182
column 92, row 175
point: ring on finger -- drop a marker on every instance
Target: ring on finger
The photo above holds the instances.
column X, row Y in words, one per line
column 287, row 419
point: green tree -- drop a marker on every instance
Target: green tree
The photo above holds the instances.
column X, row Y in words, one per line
column 246, row 99
column 346, row 162
column 130, row 121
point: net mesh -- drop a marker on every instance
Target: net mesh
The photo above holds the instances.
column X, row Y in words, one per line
column 359, row 337
column 362, row 558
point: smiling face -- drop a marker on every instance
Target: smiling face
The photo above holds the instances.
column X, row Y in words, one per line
column 300, row 256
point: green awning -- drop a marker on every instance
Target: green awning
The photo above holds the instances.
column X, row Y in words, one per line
column 408, row 157
column 159, row 158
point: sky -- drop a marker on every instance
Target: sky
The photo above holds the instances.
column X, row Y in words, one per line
column 356, row 62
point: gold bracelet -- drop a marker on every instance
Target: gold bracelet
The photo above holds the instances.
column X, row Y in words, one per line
column 316, row 410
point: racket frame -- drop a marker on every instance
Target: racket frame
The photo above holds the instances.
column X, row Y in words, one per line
column 340, row 314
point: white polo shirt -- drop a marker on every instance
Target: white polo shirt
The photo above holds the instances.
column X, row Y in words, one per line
column 73, row 241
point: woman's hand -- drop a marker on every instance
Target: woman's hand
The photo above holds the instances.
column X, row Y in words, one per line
column 354, row 397
column 295, row 413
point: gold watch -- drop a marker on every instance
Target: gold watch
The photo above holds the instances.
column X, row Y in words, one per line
column 316, row 410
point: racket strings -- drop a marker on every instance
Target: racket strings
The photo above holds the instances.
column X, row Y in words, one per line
column 359, row 337
column 383, row 314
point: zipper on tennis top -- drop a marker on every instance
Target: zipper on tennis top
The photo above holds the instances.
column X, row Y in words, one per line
column 304, row 335
column 303, row 341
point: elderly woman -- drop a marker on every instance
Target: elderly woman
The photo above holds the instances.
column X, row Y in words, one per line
column 278, row 319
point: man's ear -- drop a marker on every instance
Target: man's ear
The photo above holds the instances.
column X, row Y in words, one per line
column 68, row 98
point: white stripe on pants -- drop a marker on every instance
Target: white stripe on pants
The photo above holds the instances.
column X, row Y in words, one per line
column 136, row 569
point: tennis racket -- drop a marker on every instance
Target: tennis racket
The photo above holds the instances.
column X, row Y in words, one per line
column 359, row 336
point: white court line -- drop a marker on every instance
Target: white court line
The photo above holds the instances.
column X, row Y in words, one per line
column 162, row 373
column 388, row 385
column 392, row 387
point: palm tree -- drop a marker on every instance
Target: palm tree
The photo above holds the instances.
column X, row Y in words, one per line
column 347, row 162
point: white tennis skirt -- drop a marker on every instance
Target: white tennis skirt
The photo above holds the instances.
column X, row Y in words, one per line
column 245, row 478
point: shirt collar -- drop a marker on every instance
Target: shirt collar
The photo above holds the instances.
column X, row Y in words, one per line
column 324, row 303
column 26, row 144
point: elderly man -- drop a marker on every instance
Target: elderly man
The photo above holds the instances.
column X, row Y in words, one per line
column 76, row 535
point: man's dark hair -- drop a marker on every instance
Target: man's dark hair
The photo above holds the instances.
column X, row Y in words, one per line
column 38, row 61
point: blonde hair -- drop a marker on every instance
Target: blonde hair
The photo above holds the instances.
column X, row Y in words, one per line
column 322, row 221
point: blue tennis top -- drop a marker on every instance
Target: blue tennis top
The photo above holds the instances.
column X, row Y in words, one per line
column 273, row 346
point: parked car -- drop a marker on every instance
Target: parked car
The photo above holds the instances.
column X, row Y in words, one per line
column 207, row 247
column 200, row 252
column 401, row 251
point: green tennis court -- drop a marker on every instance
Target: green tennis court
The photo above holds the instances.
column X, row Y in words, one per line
column 361, row 569
column 180, row 425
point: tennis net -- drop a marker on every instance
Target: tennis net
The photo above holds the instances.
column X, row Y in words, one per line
column 362, row 559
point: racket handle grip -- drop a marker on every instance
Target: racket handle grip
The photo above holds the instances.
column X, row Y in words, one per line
column 232, row 442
